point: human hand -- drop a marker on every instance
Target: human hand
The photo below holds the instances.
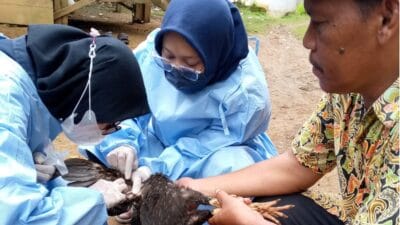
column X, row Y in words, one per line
column 197, row 185
column 113, row 191
column 186, row 182
column 44, row 172
column 235, row 211
column 124, row 159
column 125, row 218
column 138, row 177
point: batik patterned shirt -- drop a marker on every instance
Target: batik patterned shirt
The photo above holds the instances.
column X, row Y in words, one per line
column 364, row 146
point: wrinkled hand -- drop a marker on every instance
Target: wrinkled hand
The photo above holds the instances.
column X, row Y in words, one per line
column 235, row 211
column 113, row 192
column 44, row 172
column 124, row 159
column 138, row 177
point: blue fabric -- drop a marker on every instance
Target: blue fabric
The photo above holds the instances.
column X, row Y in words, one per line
column 16, row 49
column 216, row 130
column 26, row 126
column 215, row 30
column 183, row 84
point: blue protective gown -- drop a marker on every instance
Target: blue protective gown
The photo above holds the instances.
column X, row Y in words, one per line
column 217, row 130
column 27, row 126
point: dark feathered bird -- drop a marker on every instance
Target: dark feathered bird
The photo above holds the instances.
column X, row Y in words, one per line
column 160, row 202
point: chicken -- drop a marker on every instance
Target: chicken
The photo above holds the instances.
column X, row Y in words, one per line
column 160, row 202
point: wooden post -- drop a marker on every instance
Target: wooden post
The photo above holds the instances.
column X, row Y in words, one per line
column 117, row 7
column 58, row 5
column 64, row 19
column 142, row 11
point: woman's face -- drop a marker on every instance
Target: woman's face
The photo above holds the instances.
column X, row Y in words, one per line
column 179, row 52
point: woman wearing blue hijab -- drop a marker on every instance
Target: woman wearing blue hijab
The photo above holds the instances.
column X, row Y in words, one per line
column 207, row 94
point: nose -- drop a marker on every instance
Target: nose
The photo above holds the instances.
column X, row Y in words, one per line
column 309, row 38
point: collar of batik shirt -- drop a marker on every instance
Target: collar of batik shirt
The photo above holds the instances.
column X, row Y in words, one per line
column 386, row 107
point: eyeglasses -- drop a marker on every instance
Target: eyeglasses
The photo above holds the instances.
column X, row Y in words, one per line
column 186, row 72
column 110, row 128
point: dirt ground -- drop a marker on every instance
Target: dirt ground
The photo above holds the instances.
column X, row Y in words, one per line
column 294, row 90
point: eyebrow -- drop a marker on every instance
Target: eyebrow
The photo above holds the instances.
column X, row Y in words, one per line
column 185, row 57
column 165, row 48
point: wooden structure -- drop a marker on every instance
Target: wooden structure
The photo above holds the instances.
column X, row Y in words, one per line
column 56, row 11
column 26, row 11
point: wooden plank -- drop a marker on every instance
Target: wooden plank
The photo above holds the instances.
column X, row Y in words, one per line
column 147, row 12
column 142, row 12
column 69, row 9
column 138, row 12
column 118, row 8
column 57, row 6
column 36, row 3
column 141, row 1
column 112, row 1
column 26, row 11
column 64, row 19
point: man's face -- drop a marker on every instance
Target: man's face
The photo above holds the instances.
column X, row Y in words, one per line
column 342, row 44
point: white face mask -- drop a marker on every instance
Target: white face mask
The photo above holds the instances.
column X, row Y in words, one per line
column 86, row 132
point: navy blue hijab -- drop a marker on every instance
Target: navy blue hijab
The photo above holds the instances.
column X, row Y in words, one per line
column 60, row 58
column 214, row 29
column 56, row 58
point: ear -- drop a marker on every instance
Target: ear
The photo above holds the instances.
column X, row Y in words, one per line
column 389, row 26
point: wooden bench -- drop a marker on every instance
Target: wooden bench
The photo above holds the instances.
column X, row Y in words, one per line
column 26, row 12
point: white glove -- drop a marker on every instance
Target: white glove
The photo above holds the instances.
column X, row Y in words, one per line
column 124, row 159
column 112, row 191
column 44, row 172
column 138, row 177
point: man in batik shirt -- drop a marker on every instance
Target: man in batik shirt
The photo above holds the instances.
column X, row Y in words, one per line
column 354, row 50
column 364, row 144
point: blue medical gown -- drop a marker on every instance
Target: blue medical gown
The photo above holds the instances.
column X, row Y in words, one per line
column 217, row 130
column 26, row 126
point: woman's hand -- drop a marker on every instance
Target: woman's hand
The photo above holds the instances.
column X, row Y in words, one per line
column 235, row 211
column 124, row 159
column 113, row 191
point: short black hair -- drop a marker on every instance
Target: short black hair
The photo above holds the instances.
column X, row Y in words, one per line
column 366, row 6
